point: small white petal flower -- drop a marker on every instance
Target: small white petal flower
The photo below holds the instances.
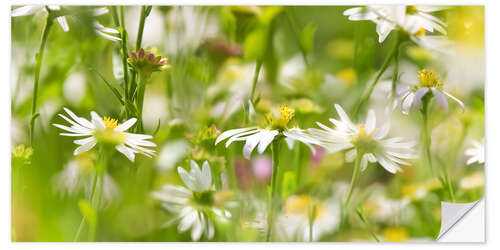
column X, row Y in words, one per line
column 475, row 153
column 429, row 84
column 365, row 138
column 414, row 20
column 300, row 210
column 99, row 29
column 191, row 205
column 263, row 137
column 78, row 175
column 106, row 131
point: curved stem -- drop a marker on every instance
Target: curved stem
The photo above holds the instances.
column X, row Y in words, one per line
column 142, row 21
column 255, row 79
column 427, row 145
column 395, row 75
column 354, row 178
column 366, row 95
column 97, row 194
column 426, row 132
column 39, row 57
column 91, row 197
column 141, row 88
column 273, row 197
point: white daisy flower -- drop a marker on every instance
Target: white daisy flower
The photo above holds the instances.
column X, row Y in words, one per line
column 262, row 137
column 364, row 138
column 32, row 9
column 383, row 209
column 106, row 131
column 476, row 152
column 78, row 176
column 414, row 20
column 196, row 205
column 108, row 33
column 429, row 84
column 473, row 180
column 301, row 210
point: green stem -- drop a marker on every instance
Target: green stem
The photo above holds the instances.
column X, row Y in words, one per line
column 275, row 147
column 138, row 45
column 255, row 79
column 367, row 224
column 426, row 132
column 293, row 26
column 39, row 57
column 141, row 88
column 142, row 21
column 97, row 195
column 354, row 178
column 91, row 198
column 427, row 148
column 366, row 95
column 395, row 75
column 297, row 162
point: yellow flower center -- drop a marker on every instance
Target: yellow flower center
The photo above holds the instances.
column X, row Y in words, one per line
column 305, row 205
column 364, row 141
column 395, row 234
column 109, row 135
column 110, row 122
column 285, row 116
column 420, row 32
column 429, row 78
column 348, row 75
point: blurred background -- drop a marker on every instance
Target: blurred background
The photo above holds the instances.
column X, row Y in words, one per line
column 313, row 57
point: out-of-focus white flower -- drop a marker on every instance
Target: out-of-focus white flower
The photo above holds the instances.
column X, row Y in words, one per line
column 154, row 36
column 106, row 131
column 382, row 209
column 108, row 33
column 193, row 204
column 235, row 81
column 188, row 27
column 476, row 152
column 78, row 175
column 171, row 153
column 263, row 137
column 74, row 88
column 291, row 70
column 414, row 20
column 429, row 84
column 364, row 138
column 302, row 210
column 472, row 181
column 156, row 104
column 32, row 9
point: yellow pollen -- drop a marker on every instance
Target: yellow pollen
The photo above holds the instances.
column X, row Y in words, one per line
column 305, row 205
column 362, row 130
column 348, row 75
column 286, row 113
column 395, row 234
column 109, row 122
column 429, row 78
column 420, row 32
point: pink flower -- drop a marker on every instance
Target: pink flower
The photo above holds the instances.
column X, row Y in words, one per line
column 262, row 168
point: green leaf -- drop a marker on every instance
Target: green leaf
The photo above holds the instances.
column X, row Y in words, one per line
column 89, row 213
column 269, row 14
column 307, row 37
column 289, row 185
column 113, row 89
column 228, row 22
column 255, row 44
